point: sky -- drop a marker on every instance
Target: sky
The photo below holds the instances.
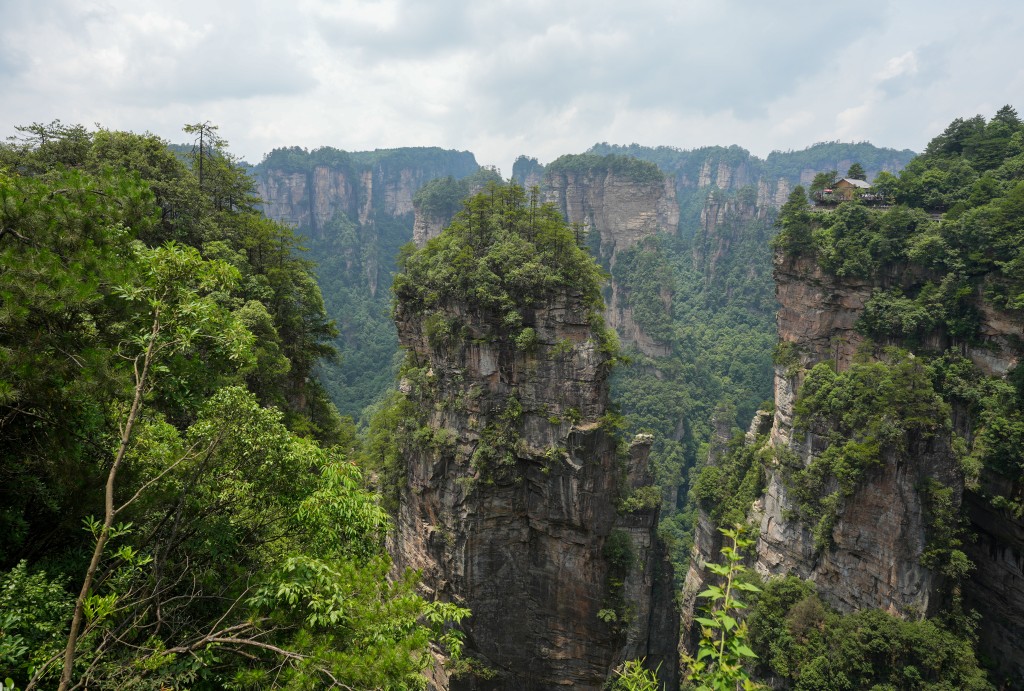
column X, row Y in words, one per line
column 502, row 78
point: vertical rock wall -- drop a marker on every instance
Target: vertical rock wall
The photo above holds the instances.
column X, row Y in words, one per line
column 359, row 185
column 880, row 534
column 621, row 212
column 533, row 544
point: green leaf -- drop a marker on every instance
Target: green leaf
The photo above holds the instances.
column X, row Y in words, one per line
column 745, row 651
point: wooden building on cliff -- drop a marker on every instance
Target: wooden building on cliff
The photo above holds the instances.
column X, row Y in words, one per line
column 847, row 188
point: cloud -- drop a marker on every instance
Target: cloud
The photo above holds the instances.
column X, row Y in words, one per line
column 149, row 55
column 395, row 30
column 503, row 77
column 914, row 70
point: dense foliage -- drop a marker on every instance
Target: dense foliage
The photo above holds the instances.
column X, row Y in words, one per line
column 164, row 452
column 726, row 488
column 869, row 414
column 625, row 167
column 298, row 160
column 504, row 253
column 804, row 644
column 945, row 258
column 955, row 240
column 720, row 327
column 347, row 255
column 441, row 198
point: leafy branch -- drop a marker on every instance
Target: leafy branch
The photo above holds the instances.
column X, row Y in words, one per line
column 723, row 650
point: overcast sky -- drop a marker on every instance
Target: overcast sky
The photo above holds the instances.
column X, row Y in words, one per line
column 503, row 78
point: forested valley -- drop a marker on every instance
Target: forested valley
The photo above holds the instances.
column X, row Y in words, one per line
column 212, row 447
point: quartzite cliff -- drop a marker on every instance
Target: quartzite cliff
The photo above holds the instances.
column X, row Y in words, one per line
column 874, row 559
column 513, row 508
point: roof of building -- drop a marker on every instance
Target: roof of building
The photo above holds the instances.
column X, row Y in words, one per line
column 856, row 183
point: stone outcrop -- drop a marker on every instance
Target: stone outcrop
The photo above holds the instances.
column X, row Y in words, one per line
column 310, row 194
column 881, row 524
column 428, row 225
column 620, row 212
column 510, row 505
column 724, row 222
column 880, row 532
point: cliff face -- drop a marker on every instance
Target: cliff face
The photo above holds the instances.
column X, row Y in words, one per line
column 733, row 168
column 309, row 195
column 728, row 226
column 619, row 211
column 428, row 225
column 881, row 533
column 562, row 586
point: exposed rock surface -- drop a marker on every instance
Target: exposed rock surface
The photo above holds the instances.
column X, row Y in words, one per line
column 880, row 534
column 359, row 185
column 727, row 223
column 524, row 542
column 620, row 212
column 427, row 225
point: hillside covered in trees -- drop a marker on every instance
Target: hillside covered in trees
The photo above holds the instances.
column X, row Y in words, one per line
column 178, row 507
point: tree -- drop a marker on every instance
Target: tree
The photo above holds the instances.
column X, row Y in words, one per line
column 174, row 294
column 65, row 243
column 207, row 143
column 823, row 181
column 795, row 224
column 856, row 172
column 229, row 549
column 887, row 185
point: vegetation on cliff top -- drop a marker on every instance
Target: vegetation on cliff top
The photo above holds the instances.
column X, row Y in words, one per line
column 441, row 198
column 972, row 174
column 626, row 167
column 956, row 240
column 948, row 252
column 505, row 252
column 296, row 159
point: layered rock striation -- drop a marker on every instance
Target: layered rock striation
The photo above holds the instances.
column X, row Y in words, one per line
column 881, row 533
column 526, row 544
column 519, row 502
column 309, row 189
column 618, row 210
column 876, row 549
